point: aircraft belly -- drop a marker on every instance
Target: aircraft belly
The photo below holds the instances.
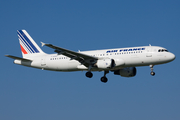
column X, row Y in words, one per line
column 72, row 65
column 62, row 65
column 66, row 65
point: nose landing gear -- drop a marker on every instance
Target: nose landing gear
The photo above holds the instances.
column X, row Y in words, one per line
column 152, row 73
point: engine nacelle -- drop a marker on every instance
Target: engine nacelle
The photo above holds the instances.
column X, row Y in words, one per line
column 126, row 72
column 104, row 64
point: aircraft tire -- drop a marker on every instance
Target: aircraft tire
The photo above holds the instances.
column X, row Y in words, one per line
column 104, row 79
column 89, row 74
column 152, row 73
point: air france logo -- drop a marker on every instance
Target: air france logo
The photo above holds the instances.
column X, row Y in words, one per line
column 125, row 50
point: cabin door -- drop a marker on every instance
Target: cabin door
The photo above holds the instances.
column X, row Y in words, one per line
column 149, row 51
column 43, row 61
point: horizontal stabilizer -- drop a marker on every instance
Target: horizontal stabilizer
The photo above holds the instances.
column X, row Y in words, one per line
column 42, row 44
column 17, row 58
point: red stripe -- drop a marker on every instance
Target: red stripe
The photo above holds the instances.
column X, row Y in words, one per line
column 23, row 50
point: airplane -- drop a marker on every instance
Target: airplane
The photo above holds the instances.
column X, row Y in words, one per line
column 121, row 61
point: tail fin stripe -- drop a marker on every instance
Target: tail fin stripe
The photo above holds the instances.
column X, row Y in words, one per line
column 25, row 43
column 30, row 43
column 24, row 46
column 23, row 50
column 26, row 40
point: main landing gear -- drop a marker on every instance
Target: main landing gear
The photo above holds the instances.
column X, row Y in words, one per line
column 103, row 79
column 89, row 74
column 152, row 73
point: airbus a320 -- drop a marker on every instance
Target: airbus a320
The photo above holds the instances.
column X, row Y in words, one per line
column 120, row 61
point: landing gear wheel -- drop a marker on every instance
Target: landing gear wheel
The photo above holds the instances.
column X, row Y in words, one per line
column 152, row 73
column 89, row 74
column 104, row 79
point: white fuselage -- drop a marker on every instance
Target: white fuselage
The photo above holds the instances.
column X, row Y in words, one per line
column 121, row 61
column 132, row 57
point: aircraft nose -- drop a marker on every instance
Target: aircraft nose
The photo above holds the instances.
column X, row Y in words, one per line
column 172, row 56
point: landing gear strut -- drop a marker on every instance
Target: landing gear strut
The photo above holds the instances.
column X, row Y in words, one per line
column 104, row 78
column 152, row 73
column 89, row 73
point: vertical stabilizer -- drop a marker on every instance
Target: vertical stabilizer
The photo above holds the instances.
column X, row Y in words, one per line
column 28, row 46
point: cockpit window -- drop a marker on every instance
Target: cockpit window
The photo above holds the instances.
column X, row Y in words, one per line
column 162, row 50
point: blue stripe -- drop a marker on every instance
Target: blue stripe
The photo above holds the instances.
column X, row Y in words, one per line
column 25, row 43
column 28, row 42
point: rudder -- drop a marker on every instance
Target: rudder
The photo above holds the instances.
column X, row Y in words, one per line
column 27, row 44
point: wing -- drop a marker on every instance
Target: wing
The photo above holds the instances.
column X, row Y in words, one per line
column 84, row 59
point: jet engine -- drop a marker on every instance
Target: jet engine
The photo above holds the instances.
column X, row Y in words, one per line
column 126, row 72
column 105, row 63
column 109, row 63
